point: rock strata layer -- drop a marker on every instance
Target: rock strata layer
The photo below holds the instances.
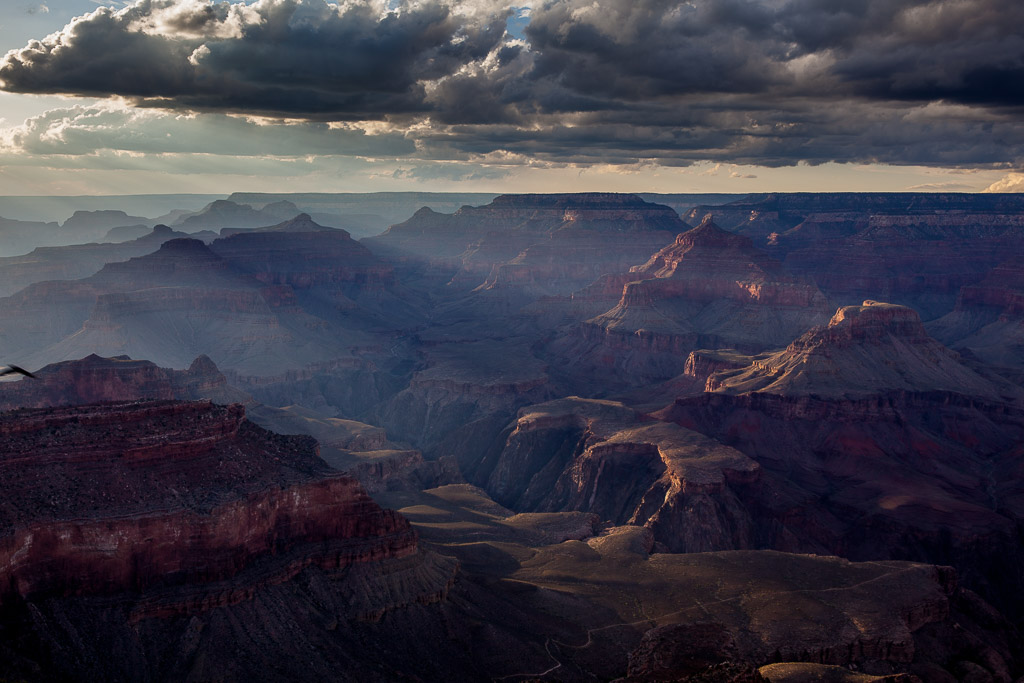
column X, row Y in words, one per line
column 156, row 494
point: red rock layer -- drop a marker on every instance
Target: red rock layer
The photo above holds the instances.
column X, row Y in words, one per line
column 709, row 289
column 117, row 497
column 987, row 322
column 909, row 248
column 600, row 457
column 96, row 380
column 864, row 350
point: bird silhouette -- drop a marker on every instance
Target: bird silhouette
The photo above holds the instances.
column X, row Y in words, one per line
column 10, row 369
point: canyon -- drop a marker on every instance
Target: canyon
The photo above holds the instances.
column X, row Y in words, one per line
column 542, row 437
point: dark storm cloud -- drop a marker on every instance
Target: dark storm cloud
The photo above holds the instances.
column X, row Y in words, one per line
column 769, row 82
column 969, row 51
column 283, row 57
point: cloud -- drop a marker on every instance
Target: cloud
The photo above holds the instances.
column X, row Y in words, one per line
column 307, row 58
column 753, row 82
column 941, row 187
column 1012, row 182
column 37, row 9
column 84, row 130
column 451, row 171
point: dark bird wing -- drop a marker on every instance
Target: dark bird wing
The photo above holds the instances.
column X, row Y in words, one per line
column 14, row 368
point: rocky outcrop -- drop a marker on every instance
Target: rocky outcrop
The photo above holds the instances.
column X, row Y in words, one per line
column 702, row 364
column 96, row 499
column 329, row 272
column 94, row 379
column 359, row 449
column 897, row 642
column 696, row 615
column 875, row 442
column 537, row 244
column 224, row 213
column 759, row 215
column 601, row 457
column 21, row 237
column 462, row 384
column 709, row 289
column 915, row 249
column 89, row 226
column 923, row 274
column 864, row 350
column 151, row 516
column 988, row 320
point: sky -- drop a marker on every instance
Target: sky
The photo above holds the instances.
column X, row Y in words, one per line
column 100, row 97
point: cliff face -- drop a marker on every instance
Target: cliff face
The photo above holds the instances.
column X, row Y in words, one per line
column 874, row 442
column 352, row 447
column 710, row 288
column 461, row 384
column 913, row 249
column 157, row 494
column 864, row 350
column 988, row 319
column 224, row 213
column 135, row 537
column 923, row 274
column 534, row 244
column 600, row 457
column 94, row 379
column 304, row 256
column 21, row 237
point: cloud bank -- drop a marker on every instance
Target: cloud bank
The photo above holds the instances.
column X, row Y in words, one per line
column 763, row 82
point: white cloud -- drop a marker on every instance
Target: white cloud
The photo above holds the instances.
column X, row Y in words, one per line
column 1011, row 182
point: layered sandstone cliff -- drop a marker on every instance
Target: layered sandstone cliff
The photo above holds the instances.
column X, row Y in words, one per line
column 916, row 249
column 708, row 289
column 359, row 449
column 875, row 441
column 601, row 457
column 864, row 350
column 148, row 495
column 988, row 319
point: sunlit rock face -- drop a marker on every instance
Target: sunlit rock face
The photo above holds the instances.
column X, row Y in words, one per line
column 916, row 249
column 601, row 457
column 875, row 441
column 710, row 288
